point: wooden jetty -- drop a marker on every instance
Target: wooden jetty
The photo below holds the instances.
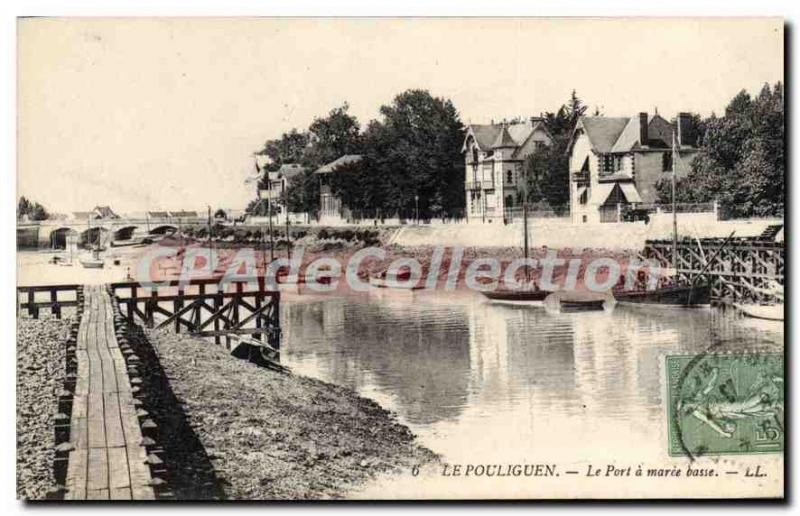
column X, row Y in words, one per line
column 207, row 308
column 108, row 460
column 739, row 270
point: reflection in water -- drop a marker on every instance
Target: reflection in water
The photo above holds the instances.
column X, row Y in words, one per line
column 475, row 379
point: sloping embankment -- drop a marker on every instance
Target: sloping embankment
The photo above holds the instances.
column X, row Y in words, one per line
column 273, row 435
column 40, row 378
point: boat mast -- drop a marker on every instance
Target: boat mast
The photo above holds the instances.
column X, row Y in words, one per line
column 675, row 160
column 525, row 235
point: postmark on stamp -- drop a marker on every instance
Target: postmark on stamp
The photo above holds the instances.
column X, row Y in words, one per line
column 720, row 404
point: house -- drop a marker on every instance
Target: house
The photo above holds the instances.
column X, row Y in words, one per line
column 278, row 183
column 331, row 210
column 104, row 212
column 183, row 215
column 615, row 163
column 97, row 213
column 494, row 156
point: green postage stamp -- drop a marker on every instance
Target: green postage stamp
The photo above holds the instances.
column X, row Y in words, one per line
column 721, row 404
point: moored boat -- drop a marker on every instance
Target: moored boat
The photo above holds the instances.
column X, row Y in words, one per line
column 576, row 301
column 91, row 262
column 671, row 296
column 521, row 296
column 772, row 312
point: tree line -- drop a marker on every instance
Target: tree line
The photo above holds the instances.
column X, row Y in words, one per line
column 33, row 210
column 411, row 158
column 741, row 163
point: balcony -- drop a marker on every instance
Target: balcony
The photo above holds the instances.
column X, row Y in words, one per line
column 580, row 176
column 478, row 185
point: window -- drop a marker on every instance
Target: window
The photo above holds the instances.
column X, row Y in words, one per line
column 584, row 218
column 666, row 162
column 509, row 176
column 538, row 145
column 607, row 163
column 474, row 153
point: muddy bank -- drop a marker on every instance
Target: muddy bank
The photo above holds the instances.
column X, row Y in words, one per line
column 255, row 434
column 40, row 377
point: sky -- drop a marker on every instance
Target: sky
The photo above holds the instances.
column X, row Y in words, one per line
column 145, row 114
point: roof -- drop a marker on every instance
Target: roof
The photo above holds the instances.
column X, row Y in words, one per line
column 347, row 159
column 620, row 135
column 183, row 214
column 487, row 135
column 105, row 211
column 504, row 139
column 158, row 214
column 289, row 170
column 602, row 131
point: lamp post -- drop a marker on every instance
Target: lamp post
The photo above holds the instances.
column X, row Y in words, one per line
column 416, row 209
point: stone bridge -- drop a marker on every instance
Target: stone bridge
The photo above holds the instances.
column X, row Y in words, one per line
column 53, row 233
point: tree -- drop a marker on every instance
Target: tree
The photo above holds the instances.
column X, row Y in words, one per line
column 33, row 210
column 741, row 163
column 547, row 168
column 302, row 193
column 415, row 150
column 289, row 148
column 332, row 137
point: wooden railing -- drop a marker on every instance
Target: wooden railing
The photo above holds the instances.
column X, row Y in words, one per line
column 56, row 297
column 206, row 308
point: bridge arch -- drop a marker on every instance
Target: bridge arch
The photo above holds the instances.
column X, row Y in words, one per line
column 166, row 229
column 124, row 233
column 94, row 235
column 58, row 237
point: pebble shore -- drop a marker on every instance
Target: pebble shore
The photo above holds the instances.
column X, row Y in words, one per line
column 40, row 378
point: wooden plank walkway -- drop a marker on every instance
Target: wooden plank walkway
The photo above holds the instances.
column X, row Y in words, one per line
column 108, row 461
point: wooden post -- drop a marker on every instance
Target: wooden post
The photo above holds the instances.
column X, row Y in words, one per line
column 54, row 306
column 217, row 305
column 177, row 305
column 152, row 302
column 32, row 304
column 132, row 304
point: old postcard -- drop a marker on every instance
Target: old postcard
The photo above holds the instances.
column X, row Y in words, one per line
column 379, row 259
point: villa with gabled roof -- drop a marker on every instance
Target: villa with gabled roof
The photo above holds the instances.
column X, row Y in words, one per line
column 494, row 156
column 615, row 163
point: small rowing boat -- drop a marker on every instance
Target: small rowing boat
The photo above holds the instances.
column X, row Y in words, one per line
column 577, row 301
column 521, row 296
column 772, row 312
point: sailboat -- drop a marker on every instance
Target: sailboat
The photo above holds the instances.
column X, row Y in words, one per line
column 530, row 293
column 93, row 260
column 674, row 295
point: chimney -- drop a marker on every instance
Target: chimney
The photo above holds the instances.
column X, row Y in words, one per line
column 643, row 138
column 685, row 130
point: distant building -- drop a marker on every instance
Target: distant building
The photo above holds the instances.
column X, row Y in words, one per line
column 616, row 162
column 97, row 213
column 494, row 156
column 278, row 183
column 331, row 209
column 183, row 215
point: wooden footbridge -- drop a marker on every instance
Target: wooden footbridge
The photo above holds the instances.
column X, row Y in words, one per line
column 108, row 448
column 108, row 459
